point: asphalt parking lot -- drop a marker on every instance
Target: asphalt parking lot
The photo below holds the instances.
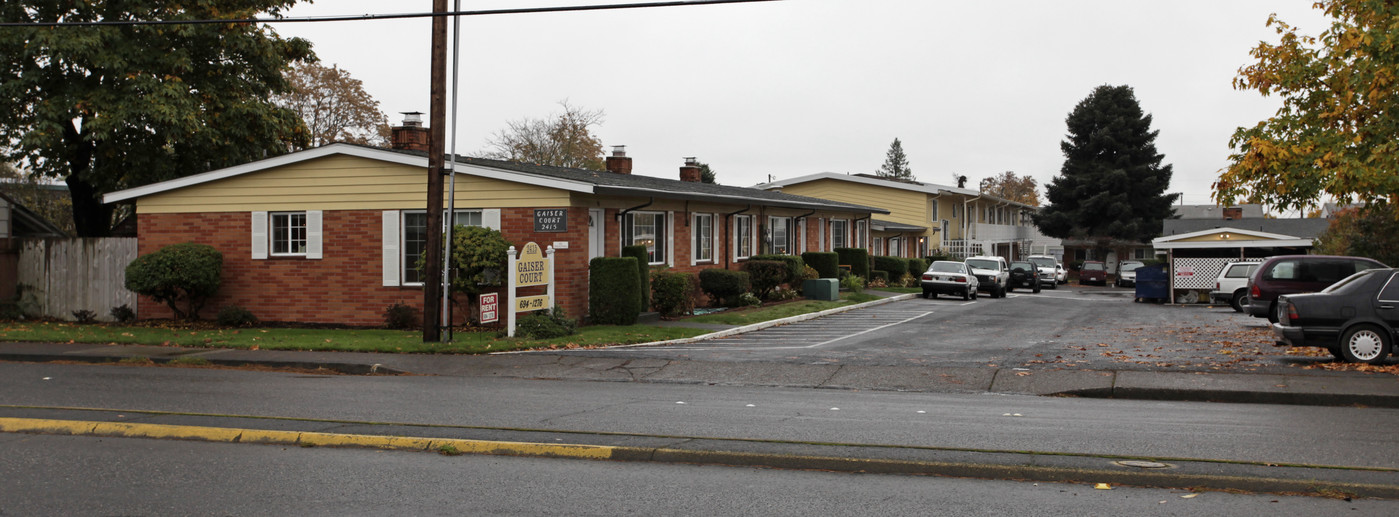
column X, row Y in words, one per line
column 1070, row 327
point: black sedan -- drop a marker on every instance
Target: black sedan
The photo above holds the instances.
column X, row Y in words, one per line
column 1024, row 274
column 1354, row 318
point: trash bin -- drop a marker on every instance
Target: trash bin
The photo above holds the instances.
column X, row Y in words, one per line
column 1152, row 284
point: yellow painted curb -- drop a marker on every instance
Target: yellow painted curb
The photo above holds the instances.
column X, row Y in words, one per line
column 301, row 438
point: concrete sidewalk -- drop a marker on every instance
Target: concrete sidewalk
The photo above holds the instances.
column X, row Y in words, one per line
column 1304, row 387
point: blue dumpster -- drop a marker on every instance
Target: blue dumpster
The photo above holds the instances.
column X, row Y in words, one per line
column 1152, row 284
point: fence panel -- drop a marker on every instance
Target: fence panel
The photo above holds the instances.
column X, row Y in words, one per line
column 60, row 276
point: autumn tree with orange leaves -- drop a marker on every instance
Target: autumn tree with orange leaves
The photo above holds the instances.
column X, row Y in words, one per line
column 1337, row 133
column 334, row 106
column 1021, row 189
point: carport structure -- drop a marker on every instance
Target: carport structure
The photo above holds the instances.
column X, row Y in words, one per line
column 1195, row 258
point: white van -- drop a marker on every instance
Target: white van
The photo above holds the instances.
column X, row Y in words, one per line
column 1232, row 284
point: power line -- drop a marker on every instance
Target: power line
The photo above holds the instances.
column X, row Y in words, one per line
column 363, row 17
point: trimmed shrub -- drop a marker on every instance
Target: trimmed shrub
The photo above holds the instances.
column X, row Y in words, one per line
column 938, row 255
column 643, row 272
column 84, row 316
column 400, row 316
column 123, row 314
column 612, row 291
column 857, row 259
column 235, row 316
column 882, row 276
column 723, row 286
column 765, row 275
column 808, row 273
column 793, row 262
column 826, row 264
column 185, row 272
column 673, row 292
column 895, row 266
column 545, row 324
column 478, row 259
column 917, row 266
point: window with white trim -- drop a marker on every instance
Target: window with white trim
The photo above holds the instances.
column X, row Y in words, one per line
column 646, row 229
column 779, row 235
column 287, row 233
column 743, row 236
column 415, row 239
column 894, row 250
column 702, row 237
column 840, row 233
column 861, row 228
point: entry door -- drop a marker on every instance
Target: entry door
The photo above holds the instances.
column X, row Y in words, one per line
column 596, row 232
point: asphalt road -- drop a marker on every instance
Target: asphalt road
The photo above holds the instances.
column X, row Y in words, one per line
column 60, row 475
column 1335, row 436
column 1067, row 328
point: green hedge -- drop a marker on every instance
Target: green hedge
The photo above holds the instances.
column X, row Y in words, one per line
column 612, row 291
column 643, row 272
column 882, row 275
column 765, row 276
column 795, row 266
column 185, row 272
column 896, row 266
column 917, row 266
column 673, row 293
column 826, row 264
column 857, row 258
column 722, row 285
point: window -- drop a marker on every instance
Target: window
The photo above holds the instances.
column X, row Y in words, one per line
column 1241, row 271
column 780, row 235
column 647, row 229
column 861, row 227
column 288, row 233
column 1390, row 293
column 415, row 240
column 743, row 236
column 878, row 246
column 934, row 210
column 840, row 236
column 894, row 247
column 702, row 237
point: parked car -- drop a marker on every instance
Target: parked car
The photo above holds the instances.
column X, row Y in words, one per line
column 1289, row 274
column 1051, row 271
column 1127, row 273
column 1354, row 318
column 1024, row 273
column 1232, row 284
column 1093, row 272
column 991, row 273
column 948, row 277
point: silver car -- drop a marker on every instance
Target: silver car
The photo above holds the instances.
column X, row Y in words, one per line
column 1049, row 271
column 948, row 277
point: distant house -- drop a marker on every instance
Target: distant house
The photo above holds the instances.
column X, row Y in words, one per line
column 334, row 234
column 925, row 218
column 17, row 222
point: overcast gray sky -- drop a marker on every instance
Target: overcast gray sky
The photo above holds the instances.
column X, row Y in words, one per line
column 804, row 86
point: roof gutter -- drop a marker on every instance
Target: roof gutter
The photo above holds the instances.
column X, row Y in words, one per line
column 653, row 193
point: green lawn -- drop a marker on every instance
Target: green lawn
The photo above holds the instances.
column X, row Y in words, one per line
column 900, row 290
column 366, row 340
column 760, row 314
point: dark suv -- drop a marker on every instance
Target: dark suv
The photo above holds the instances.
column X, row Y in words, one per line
column 1289, row 274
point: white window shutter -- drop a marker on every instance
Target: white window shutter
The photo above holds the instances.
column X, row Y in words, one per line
column 259, row 235
column 490, row 218
column 694, row 238
column 313, row 234
column 801, row 227
column 670, row 239
column 392, row 255
column 733, row 237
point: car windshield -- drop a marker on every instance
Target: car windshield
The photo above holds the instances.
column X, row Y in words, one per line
column 1128, row 267
column 1022, row 265
column 983, row 264
column 1043, row 262
column 1093, row 266
column 947, row 267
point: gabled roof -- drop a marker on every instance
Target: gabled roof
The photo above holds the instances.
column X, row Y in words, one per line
column 1296, row 228
column 27, row 223
column 573, row 180
column 1233, row 238
column 915, row 186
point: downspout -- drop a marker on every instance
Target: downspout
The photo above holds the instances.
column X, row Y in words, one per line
column 728, row 231
column 621, row 226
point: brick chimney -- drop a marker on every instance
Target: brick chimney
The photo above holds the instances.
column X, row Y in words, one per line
column 1233, row 212
column 690, row 171
column 411, row 136
column 619, row 162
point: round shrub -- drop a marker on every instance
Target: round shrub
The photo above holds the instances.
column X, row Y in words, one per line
column 400, row 316
column 186, row 272
column 612, row 291
column 544, row 324
column 794, row 264
column 917, row 266
column 765, row 276
column 723, row 286
column 826, row 263
column 235, row 316
column 673, row 293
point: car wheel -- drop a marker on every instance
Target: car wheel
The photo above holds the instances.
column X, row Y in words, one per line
column 927, row 295
column 974, row 295
column 1365, row 344
column 1239, row 300
column 968, row 294
column 1001, row 293
column 1036, row 289
column 1010, row 288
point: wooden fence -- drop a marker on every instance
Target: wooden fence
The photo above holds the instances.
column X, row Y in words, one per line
column 60, row 276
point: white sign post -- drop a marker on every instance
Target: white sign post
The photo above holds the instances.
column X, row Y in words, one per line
column 531, row 267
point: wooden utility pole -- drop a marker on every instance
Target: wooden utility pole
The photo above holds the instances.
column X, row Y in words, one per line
column 436, row 148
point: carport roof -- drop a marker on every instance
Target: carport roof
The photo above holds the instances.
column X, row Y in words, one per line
column 1225, row 237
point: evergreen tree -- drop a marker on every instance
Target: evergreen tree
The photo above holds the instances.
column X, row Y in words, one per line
column 706, row 174
column 895, row 163
column 1112, row 184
